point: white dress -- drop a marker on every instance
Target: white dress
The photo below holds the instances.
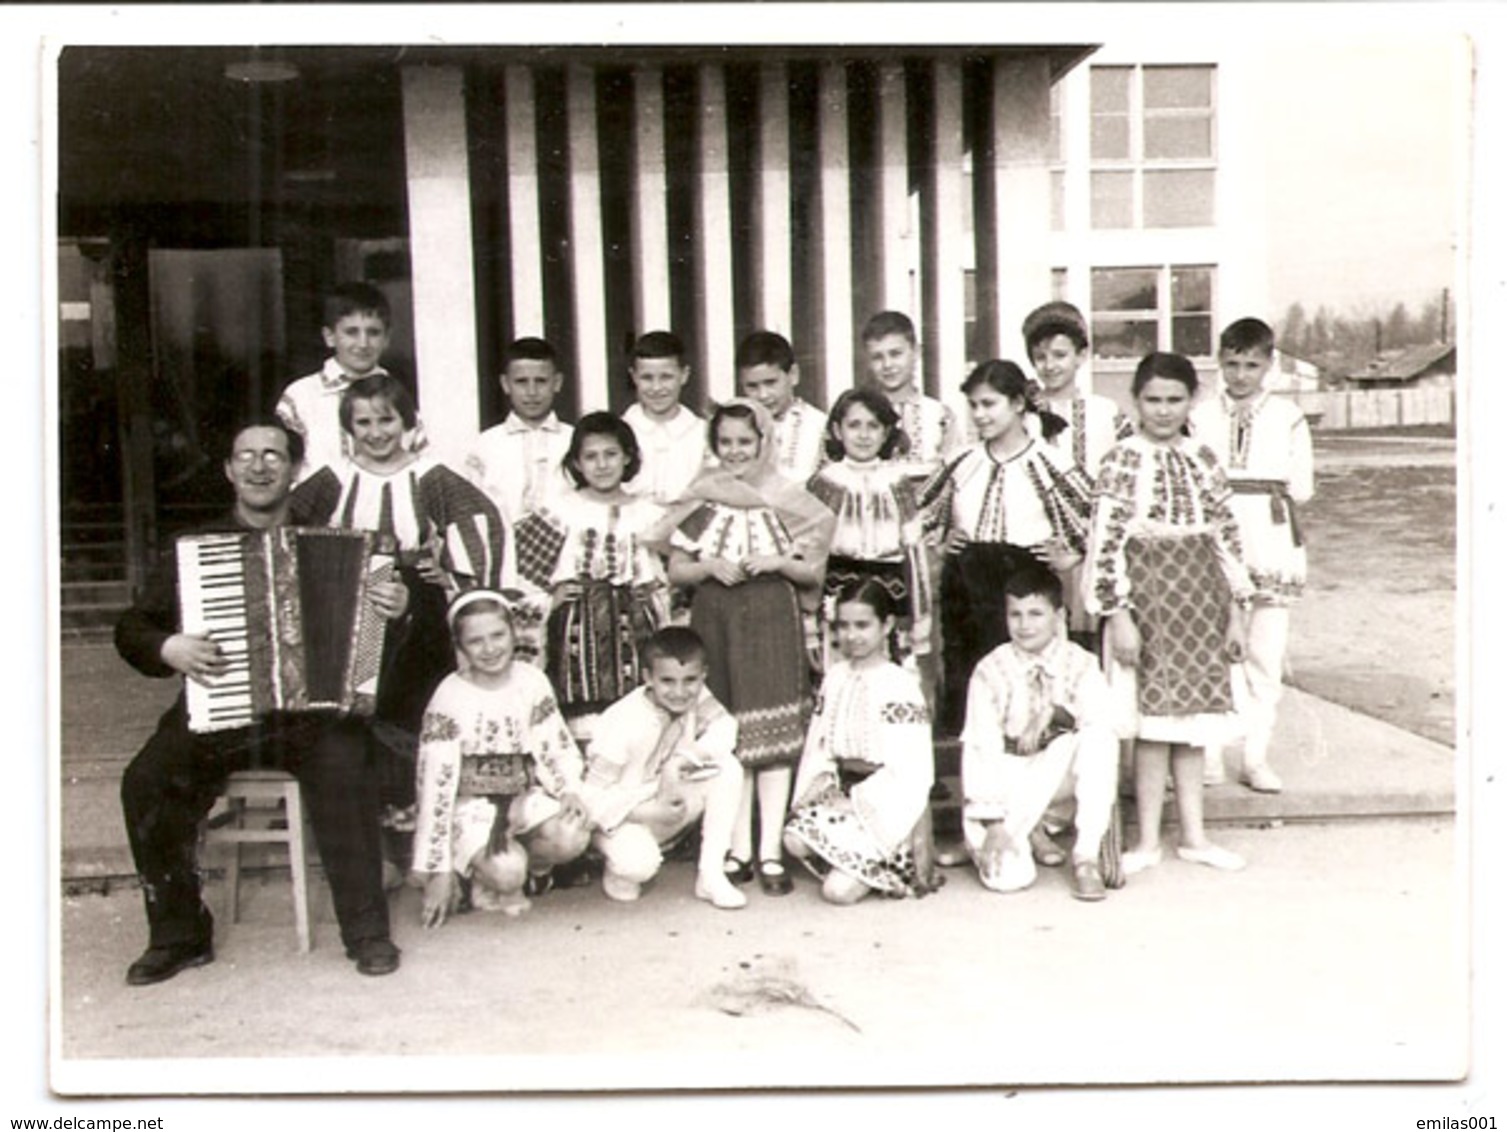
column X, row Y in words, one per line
column 870, row 744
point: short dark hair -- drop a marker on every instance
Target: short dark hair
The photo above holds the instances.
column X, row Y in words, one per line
column 1247, row 334
column 679, row 643
column 1171, row 367
column 296, row 446
column 379, row 385
column 885, row 323
column 1035, row 581
column 896, row 443
column 603, row 424
column 764, row 348
column 528, row 350
column 657, row 344
column 345, row 299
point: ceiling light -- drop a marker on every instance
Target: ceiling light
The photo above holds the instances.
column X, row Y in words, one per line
column 261, row 71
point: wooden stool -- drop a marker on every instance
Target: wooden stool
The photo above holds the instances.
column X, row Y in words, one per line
column 263, row 794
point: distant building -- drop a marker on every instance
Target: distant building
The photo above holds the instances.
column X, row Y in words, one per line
column 1410, row 367
column 1292, row 374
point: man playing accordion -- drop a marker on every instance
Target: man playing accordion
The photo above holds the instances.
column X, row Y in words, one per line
column 171, row 784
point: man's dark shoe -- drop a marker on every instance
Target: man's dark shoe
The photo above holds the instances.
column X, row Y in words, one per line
column 374, row 956
column 157, row 964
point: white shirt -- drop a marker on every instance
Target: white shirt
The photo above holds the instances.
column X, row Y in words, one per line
column 674, row 451
column 519, row 464
column 798, row 437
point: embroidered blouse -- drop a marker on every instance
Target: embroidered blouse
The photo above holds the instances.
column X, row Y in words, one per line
column 414, row 505
column 798, row 438
column 1035, row 495
column 1152, row 489
column 873, row 718
column 474, row 740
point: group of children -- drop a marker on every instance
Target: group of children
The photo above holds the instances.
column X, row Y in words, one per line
column 757, row 623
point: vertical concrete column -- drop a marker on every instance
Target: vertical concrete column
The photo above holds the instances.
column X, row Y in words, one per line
column 650, row 227
column 942, row 241
column 439, row 232
column 714, row 262
column 588, row 285
column 836, row 229
column 771, row 208
column 1022, row 197
column 896, row 238
column 526, row 255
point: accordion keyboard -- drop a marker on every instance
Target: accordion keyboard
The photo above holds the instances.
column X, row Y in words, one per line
column 212, row 590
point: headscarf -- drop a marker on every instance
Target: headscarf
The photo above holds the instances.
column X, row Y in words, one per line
column 807, row 520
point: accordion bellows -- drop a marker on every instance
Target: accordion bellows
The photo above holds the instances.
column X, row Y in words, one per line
column 290, row 607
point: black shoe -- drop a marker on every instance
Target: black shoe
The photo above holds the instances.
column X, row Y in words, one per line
column 158, row 964
column 739, row 872
column 538, row 884
column 773, row 878
column 374, row 956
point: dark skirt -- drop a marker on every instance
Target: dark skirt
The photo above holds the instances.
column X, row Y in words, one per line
column 756, row 664
column 594, row 647
column 973, row 619
column 1182, row 610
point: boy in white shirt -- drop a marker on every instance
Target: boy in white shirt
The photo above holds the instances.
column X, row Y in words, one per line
column 357, row 328
column 671, row 437
column 661, row 759
column 768, row 374
column 1038, row 734
column 518, row 462
column 1267, row 453
column 893, row 358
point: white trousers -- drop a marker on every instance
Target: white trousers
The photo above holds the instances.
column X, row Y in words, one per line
column 1265, row 651
column 632, row 850
column 1083, row 766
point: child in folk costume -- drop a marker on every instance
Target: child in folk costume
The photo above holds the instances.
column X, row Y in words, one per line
column 893, row 357
column 768, row 374
column 499, row 776
column 878, row 533
column 1007, row 502
column 662, row 760
column 866, row 772
column 1267, row 453
column 754, row 547
column 1165, row 571
column 1056, row 339
column 1039, row 735
column 449, row 537
column 607, row 589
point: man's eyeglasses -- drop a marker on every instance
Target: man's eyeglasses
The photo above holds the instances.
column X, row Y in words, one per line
column 248, row 457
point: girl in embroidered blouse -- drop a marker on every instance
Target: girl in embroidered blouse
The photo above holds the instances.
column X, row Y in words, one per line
column 878, row 534
column 866, row 771
column 1165, row 571
column 607, row 588
column 499, row 776
column 754, row 547
column 448, row 537
column 1007, row 501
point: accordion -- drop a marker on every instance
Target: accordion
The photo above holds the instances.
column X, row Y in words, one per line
column 289, row 607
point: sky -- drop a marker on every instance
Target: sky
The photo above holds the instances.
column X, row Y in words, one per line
column 1364, row 139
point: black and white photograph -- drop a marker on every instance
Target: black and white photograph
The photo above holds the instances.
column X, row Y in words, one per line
column 750, row 555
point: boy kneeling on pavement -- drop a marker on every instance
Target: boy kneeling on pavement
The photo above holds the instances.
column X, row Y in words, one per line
column 1037, row 737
